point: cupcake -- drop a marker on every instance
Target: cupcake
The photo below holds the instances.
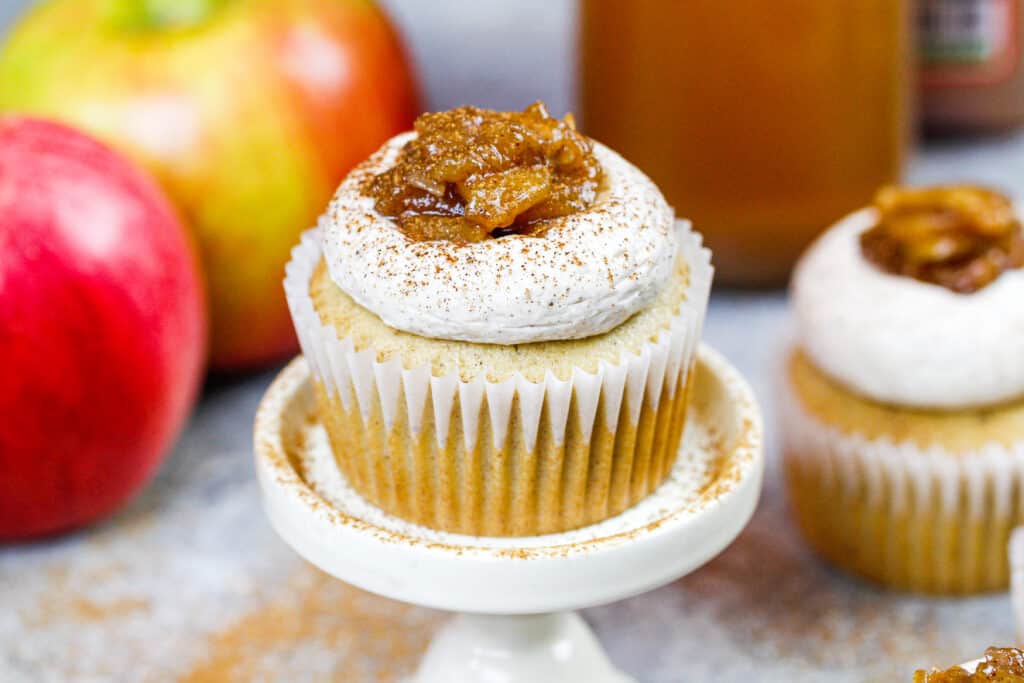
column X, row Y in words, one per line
column 501, row 317
column 904, row 410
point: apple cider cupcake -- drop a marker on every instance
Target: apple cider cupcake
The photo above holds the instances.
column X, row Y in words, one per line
column 501, row 316
column 904, row 418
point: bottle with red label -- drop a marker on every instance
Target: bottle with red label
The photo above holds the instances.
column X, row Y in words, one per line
column 972, row 65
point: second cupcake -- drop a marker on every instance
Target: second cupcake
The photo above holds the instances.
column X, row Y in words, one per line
column 904, row 420
column 501, row 316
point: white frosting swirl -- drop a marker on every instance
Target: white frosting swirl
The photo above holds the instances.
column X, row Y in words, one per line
column 589, row 272
column 901, row 341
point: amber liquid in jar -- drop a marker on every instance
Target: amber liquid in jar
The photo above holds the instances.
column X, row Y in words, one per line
column 763, row 122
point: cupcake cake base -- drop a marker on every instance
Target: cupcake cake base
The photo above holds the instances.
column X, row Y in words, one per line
column 501, row 440
column 918, row 500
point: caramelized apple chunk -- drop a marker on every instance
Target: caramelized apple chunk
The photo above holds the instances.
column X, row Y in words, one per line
column 1000, row 665
column 960, row 237
column 474, row 173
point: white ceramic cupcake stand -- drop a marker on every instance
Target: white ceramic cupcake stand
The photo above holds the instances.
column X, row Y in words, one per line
column 515, row 597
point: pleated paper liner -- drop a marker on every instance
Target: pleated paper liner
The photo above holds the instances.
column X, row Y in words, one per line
column 927, row 520
column 509, row 458
column 1016, row 552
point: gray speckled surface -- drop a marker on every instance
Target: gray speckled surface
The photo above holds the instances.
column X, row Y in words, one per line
column 189, row 582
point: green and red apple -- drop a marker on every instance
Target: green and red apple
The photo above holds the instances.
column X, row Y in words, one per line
column 249, row 112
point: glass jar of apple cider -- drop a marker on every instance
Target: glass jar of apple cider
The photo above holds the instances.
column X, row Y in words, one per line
column 761, row 121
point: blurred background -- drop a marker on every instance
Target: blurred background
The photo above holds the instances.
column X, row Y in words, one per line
column 762, row 121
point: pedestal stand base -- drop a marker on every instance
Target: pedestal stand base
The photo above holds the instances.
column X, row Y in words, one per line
column 543, row 648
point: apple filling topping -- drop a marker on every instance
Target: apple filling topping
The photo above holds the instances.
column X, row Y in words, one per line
column 473, row 174
column 1005, row 665
column 960, row 237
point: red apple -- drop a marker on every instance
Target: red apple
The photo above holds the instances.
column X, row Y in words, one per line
column 249, row 112
column 102, row 328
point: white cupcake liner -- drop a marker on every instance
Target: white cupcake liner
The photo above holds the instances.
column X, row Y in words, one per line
column 348, row 372
column 1016, row 553
column 553, row 461
column 925, row 519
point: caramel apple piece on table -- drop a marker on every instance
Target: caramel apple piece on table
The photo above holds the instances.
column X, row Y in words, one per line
column 1001, row 665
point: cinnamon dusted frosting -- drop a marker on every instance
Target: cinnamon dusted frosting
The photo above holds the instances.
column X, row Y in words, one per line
column 898, row 340
column 588, row 272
